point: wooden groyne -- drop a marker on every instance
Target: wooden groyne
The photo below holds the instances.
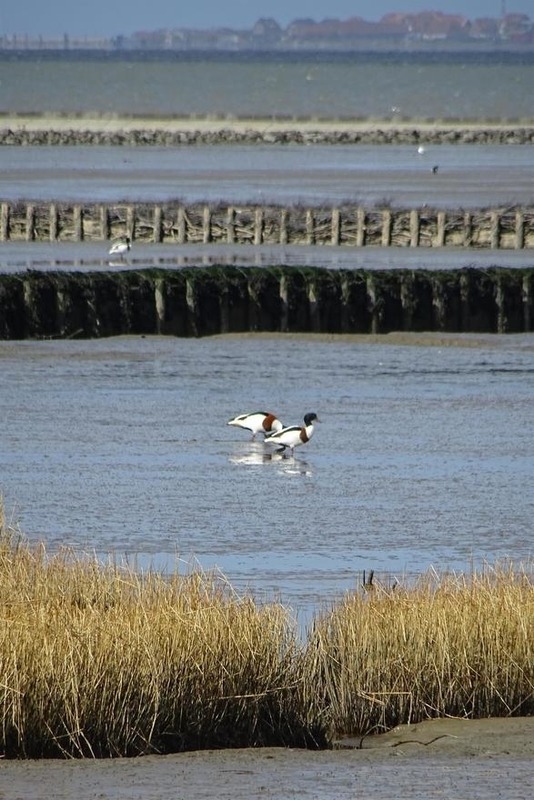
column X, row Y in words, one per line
column 357, row 226
column 214, row 300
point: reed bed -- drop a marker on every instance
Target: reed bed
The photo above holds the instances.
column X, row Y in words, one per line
column 454, row 645
column 101, row 660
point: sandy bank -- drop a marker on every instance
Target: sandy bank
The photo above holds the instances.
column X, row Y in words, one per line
column 439, row 758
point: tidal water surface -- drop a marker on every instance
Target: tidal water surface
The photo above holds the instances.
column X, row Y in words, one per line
column 468, row 176
column 423, row 457
column 463, row 86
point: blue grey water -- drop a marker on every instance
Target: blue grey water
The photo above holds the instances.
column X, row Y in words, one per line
column 498, row 86
column 469, row 176
column 424, row 456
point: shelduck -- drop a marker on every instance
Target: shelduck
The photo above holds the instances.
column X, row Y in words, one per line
column 295, row 435
column 257, row 422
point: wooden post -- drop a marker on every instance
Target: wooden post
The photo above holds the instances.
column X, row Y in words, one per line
column 130, row 222
column 371, row 295
column 465, row 319
column 258, row 226
column 310, row 226
column 499, row 302
column 386, row 227
column 468, row 229
column 284, row 320
column 336, row 226
column 230, row 225
column 441, row 226
column 159, row 299
column 53, row 222
column 283, row 226
column 157, row 225
column 527, row 303
column 519, row 230
column 414, row 228
column 180, row 222
column 495, row 232
column 360, row 227
column 206, row 225
column 345, row 297
column 4, row 222
column 77, row 219
column 30, row 222
column 191, row 307
column 315, row 320
column 104, row 223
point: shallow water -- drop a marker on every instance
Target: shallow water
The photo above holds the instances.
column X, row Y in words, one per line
column 469, row 176
column 16, row 257
column 423, row 456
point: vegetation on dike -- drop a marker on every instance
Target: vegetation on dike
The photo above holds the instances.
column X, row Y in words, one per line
column 101, row 660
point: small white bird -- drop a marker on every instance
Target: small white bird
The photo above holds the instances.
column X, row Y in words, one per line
column 295, row 435
column 120, row 248
column 257, row 422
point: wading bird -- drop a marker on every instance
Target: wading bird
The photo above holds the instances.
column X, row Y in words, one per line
column 295, row 435
column 120, row 248
column 257, row 422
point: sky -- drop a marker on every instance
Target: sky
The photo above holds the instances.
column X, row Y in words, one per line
column 113, row 17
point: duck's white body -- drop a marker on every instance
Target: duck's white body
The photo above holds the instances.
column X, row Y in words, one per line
column 257, row 422
column 295, row 435
column 120, row 248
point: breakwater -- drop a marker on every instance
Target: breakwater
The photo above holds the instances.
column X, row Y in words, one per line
column 506, row 228
column 259, row 132
column 214, row 300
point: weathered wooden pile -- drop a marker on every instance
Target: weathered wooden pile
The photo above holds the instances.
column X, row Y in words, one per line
column 213, row 300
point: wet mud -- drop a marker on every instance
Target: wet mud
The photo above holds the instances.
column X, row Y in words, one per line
column 438, row 758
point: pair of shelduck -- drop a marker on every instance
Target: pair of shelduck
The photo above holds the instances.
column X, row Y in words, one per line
column 274, row 431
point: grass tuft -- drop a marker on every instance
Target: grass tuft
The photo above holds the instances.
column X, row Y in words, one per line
column 455, row 645
column 102, row 661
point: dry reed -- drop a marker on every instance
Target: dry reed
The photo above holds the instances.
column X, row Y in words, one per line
column 102, row 661
column 449, row 646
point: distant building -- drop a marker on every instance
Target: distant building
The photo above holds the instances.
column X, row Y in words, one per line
column 396, row 30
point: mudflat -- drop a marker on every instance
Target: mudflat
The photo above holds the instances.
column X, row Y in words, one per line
column 447, row 758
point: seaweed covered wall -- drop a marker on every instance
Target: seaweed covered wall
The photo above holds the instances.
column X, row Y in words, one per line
column 213, row 300
column 506, row 228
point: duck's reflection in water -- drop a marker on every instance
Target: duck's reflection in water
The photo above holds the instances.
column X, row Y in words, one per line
column 258, row 455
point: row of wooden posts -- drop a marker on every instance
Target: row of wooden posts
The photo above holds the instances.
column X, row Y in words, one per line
column 215, row 300
column 510, row 228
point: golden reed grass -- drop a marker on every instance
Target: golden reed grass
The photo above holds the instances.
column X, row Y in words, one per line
column 449, row 646
column 102, row 660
